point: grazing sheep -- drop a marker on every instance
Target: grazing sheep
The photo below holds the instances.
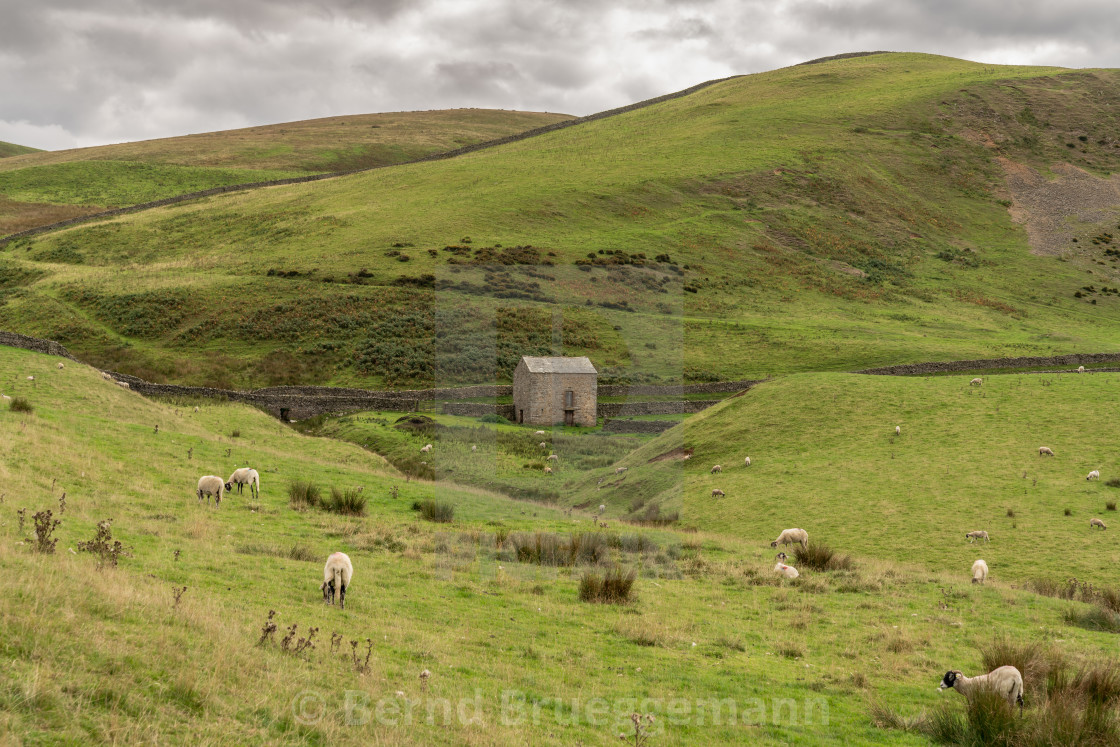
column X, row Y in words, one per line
column 1081, row 369
column 717, row 469
column 211, row 485
column 241, row 478
column 1045, row 451
column 336, row 577
column 106, row 376
column 5, row 397
column 425, row 448
column 474, row 448
column 61, row 366
column 717, row 493
column 979, row 572
column 620, row 470
column 548, row 470
column 747, row 461
column 543, row 445
column 979, row 534
column 553, row 458
column 1094, row 475
column 976, row 382
column 1097, row 523
column 792, row 536
column 122, row 384
column 1005, row 680
column 786, row 571
column 898, row 430
column 196, row 408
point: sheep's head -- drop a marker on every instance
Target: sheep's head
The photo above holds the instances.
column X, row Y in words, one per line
column 229, row 486
column 949, row 679
column 774, row 543
column 782, row 557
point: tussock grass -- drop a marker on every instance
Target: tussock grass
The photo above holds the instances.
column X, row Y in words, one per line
column 612, row 586
column 820, row 557
column 440, row 512
column 303, row 494
column 348, row 502
column 20, row 404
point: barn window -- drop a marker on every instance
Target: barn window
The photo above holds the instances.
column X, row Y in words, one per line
column 569, row 399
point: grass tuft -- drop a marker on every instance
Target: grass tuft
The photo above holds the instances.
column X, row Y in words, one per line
column 348, row 502
column 304, row 494
column 440, row 512
column 613, row 586
column 19, row 404
column 820, row 557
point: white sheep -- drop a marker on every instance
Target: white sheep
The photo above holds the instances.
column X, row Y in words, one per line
column 1045, row 451
column 620, row 470
column 1005, row 680
column 31, row 378
column 548, row 470
column 61, row 366
column 979, row 572
column 106, row 376
column 241, row 478
column 717, row 469
column 1094, row 475
column 425, row 448
column 1081, row 369
column 474, row 448
column 786, row 571
column 717, row 493
column 543, row 445
column 336, row 577
column 553, row 458
column 792, row 536
column 976, row 382
column 1097, row 523
column 979, row 534
column 747, row 461
column 122, row 384
column 898, row 430
column 538, row 433
column 211, row 485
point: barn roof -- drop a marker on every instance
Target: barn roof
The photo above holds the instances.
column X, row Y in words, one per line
column 580, row 365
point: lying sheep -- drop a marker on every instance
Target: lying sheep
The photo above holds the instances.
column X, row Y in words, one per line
column 792, row 536
column 979, row 572
column 1097, row 523
column 979, row 534
column 1006, row 680
column 717, row 469
column 976, row 382
column 31, row 378
column 241, row 478
column 747, row 462
column 717, row 493
column 336, row 577
column 1094, row 475
column 425, row 448
column 1045, row 451
column 211, row 485
column 538, row 433
column 786, row 571
column 620, row 470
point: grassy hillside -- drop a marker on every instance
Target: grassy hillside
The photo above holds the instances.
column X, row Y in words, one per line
column 831, row 216
column 11, row 149
column 43, row 187
column 712, row 646
column 824, row 456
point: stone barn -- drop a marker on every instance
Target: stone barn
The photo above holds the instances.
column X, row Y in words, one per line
column 547, row 391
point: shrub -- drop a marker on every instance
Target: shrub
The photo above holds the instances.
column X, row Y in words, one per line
column 1068, row 512
column 348, row 502
column 437, row 511
column 19, row 404
column 304, row 494
column 1110, row 506
column 107, row 549
column 235, row 433
column 614, row 586
column 44, row 527
column 821, row 557
column 493, row 418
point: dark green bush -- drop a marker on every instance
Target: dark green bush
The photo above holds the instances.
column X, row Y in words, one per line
column 19, row 404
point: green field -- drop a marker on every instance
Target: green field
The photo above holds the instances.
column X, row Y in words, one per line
column 41, row 187
column 823, row 217
column 712, row 645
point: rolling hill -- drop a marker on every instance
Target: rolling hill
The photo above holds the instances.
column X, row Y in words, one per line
column 43, row 187
column 7, row 150
column 857, row 212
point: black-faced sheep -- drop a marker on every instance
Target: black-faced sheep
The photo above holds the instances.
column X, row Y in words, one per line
column 979, row 534
column 1094, row 475
column 717, row 493
column 979, row 572
column 211, row 485
column 747, row 462
column 1006, row 680
column 336, row 577
column 241, row 478
column 1045, row 451
column 1097, row 523
column 791, row 537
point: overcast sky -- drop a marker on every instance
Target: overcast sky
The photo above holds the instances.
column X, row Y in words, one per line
column 88, row 72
